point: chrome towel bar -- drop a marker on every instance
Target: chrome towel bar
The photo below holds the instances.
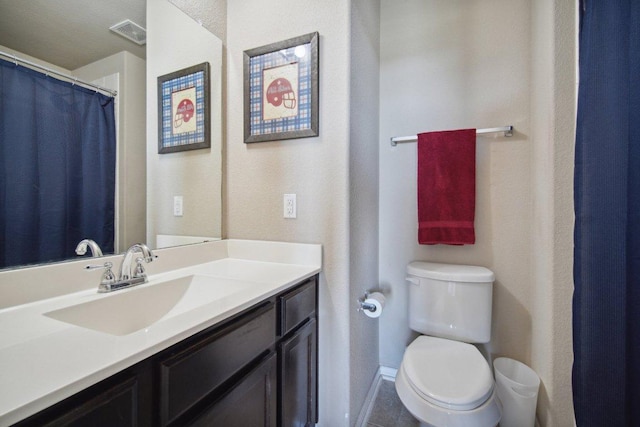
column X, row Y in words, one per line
column 508, row 131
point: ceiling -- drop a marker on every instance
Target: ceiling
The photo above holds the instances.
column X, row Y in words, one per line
column 69, row 33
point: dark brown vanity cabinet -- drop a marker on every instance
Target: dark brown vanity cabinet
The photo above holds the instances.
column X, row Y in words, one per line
column 258, row 368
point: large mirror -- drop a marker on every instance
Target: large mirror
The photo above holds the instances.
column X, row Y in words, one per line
column 73, row 37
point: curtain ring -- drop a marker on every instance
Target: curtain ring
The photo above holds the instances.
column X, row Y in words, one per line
column 74, row 81
column 15, row 60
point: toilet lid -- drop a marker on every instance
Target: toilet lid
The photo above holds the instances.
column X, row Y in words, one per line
column 447, row 373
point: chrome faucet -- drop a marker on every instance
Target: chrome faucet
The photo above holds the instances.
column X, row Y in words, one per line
column 81, row 249
column 130, row 274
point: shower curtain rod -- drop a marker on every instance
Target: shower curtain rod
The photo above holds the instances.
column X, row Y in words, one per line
column 508, row 131
column 48, row 71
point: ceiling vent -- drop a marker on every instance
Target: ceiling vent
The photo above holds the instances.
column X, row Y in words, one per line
column 131, row 31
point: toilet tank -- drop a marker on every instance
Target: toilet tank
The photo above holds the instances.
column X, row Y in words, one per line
column 450, row 301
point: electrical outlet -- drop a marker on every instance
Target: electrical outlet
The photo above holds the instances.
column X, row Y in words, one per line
column 289, row 205
column 177, row 205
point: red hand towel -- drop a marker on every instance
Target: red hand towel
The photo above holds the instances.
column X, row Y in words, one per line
column 447, row 187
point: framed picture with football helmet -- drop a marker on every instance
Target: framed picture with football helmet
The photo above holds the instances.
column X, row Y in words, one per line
column 183, row 110
column 281, row 90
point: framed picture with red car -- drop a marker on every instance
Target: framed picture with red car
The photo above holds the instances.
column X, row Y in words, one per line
column 183, row 110
column 281, row 90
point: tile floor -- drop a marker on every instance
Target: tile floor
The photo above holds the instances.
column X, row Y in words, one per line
column 388, row 410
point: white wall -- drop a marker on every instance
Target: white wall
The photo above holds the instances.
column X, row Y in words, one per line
column 131, row 163
column 316, row 169
column 32, row 59
column 447, row 65
column 553, row 130
column 451, row 65
column 363, row 182
column 174, row 42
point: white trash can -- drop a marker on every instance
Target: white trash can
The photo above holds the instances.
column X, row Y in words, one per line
column 517, row 388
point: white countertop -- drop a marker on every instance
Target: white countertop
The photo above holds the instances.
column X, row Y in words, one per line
column 44, row 360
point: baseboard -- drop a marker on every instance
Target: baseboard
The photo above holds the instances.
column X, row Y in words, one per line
column 367, row 406
column 383, row 373
column 388, row 373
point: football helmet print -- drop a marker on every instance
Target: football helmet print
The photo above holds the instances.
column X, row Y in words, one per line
column 280, row 92
column 184, row 112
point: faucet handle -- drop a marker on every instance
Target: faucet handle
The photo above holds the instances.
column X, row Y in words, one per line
column 108, row 278
column 139, row 271
column 106, row 265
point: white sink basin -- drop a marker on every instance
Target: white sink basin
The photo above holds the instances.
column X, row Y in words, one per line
column 127, row 311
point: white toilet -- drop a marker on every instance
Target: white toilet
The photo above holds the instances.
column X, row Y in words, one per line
column 443, row 380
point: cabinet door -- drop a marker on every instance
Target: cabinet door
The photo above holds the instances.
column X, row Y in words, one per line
column 249, row 403
column 298, row 377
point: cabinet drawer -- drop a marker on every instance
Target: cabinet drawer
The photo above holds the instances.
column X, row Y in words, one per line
column 297, row 305
column 197, row 370
column 115, row 406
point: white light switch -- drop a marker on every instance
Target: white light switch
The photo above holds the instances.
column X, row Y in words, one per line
column 289, row 205
column 177, row 205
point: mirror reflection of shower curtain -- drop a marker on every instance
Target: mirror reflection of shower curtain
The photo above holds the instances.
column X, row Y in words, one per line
column 57, row 167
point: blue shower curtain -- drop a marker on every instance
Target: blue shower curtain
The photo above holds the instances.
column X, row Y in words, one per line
column 57, row 167
column 606, row 302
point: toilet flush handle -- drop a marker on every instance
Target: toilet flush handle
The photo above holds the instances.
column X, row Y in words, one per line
column 412, row 280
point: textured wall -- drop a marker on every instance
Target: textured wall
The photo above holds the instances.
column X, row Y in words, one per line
column 553, row 129
column 211, row 14
column 316, row 169
column 363, row 182
column 483, row 64
column 451, row 65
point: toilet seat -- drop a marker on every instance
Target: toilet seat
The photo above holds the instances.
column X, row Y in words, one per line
column 448, row 374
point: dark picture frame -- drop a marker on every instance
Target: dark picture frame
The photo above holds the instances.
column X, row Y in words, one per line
column 183, row 110
column 281, row 90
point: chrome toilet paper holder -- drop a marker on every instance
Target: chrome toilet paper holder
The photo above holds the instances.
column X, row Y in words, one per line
column 366, row 305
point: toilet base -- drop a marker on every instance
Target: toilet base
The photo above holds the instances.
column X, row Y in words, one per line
column 486, row 415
